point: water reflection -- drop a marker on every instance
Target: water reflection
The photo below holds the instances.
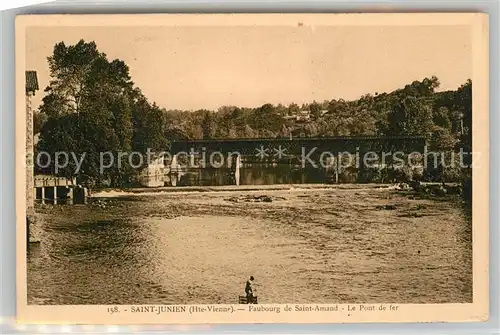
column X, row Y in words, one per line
column 254, row 175
column 89, row 260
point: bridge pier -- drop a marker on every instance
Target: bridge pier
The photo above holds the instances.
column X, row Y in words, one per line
column 237, row 172
column 234, row 166
column 43, row 194
column 173, row 171
column 336, row 161
column 70, row 195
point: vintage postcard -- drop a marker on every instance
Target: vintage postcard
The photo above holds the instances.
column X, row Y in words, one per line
column 263, row 168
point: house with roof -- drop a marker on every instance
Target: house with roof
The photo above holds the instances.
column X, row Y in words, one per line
column 303, row 116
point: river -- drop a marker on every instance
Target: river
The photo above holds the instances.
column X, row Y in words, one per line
column 345, row 244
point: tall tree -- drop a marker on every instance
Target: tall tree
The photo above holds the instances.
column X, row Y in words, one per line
column 92, row 107
column 208, row 125
column 266, row 121
column 315, row 109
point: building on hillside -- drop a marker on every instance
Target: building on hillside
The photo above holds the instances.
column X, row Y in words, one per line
column 298, row 132
column 303, row 116
column 31, row 86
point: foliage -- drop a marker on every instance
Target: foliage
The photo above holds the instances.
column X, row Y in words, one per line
column 91, row 106
column 415, row 109
column 444, row 118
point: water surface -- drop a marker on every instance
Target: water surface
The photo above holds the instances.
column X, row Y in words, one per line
column 320, row 246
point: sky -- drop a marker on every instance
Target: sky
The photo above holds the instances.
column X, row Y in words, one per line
column 196, row 67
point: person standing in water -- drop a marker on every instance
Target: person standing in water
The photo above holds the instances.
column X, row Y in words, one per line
column 249, row 290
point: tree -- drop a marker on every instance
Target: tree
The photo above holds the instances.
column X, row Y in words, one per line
column 207, row 125
column 266, row 120
column 70, row 68
column 463, row 104
column 442, row 118
column 442, row 139
column 339, row 108
column 248, row 132
column 149, row 127
column 293, row 109
column 281, row 110
column 39, row 120
column 315, row 109
column 407, row 111
column 92, row 107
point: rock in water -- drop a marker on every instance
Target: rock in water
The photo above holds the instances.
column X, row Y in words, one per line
column 387, row 207
column 266, row 199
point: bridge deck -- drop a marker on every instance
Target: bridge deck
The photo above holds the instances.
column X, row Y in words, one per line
column 298, row 144
column 52, row 181
column 306, row 139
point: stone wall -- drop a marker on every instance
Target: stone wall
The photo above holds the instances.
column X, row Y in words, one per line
column 29, row 158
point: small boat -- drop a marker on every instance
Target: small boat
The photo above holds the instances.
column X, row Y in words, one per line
column 244, row 300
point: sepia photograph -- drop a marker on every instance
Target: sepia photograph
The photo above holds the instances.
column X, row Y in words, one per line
column 320, row 163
